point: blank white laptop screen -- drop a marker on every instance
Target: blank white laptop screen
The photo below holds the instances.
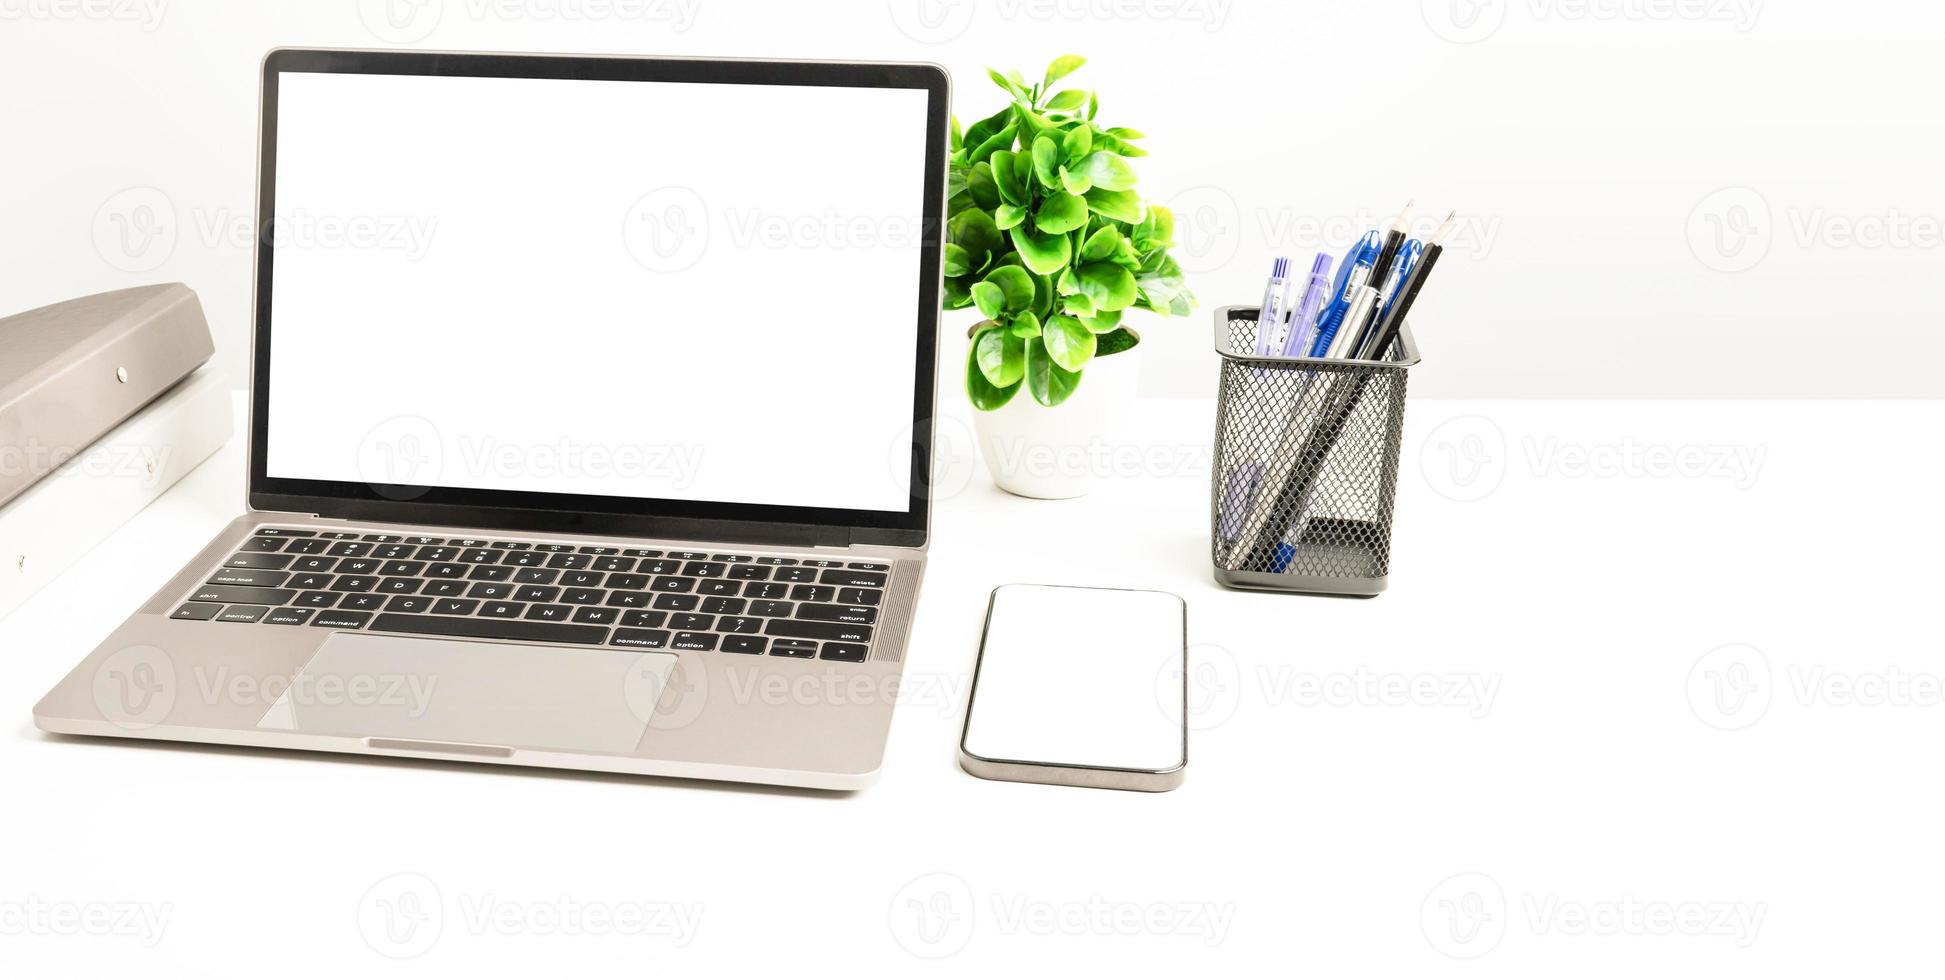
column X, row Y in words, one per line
column 698, row 292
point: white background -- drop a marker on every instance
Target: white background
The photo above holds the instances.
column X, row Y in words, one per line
column 1589, row 144
column 563, row 304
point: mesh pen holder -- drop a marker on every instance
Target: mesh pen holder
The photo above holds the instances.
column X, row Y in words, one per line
column 1306, row 464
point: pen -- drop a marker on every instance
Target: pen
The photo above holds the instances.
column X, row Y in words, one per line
column 1354, row 271
column 1303, row 319
column 1380, row 271
column 1269, row 316
column 1407, row 293
column 1407, row 257
column 1362, row 302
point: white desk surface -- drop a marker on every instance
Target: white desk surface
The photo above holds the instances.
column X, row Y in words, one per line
column 1534, row 705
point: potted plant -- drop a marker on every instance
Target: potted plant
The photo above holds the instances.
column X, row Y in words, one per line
column 1048, row 240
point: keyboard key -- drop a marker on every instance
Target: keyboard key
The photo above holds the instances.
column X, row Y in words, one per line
column 776, row 561
column 731, row 558
column 688, row 555
column 677, row 603
column 738, row 624
column 349, row 549
column 552, row 613
column 837, row 614
column 845, row 576
column 644, row 618
column 468, row 542
column 870, row 566
column 242, row 614
column 595, row 614
column 860, row 597
column 339, row 535
column 823, row 563
column 444, row 569
column 718, row 586
column 503, row 610
column 505, row 629
column 659, row 567
column 402, row 568
column 628, row 600
column 722, row 605
column 770, row 609
column 443, row 587
column 640, row 553
column 316, row 600
column 410, row 603
column 596, row 549
column 341, row 619
column 257, row 560
column 766, row 590
column 393, row 551
column 436, row 553
column 491, row 590
column 704, row 569
column 800, row 574
column 359, row 566
column 382, row 538
column 481, row 556
column 614, row 563
column 850, row 653
column 308, row 580
column 284, row 532
column 243, row 594
column 651, row 639
column 846, row 632
column 399, row 586
column 454, row 607
column 312, row 563
column 812, row 593
column 802, row 649
column 670, row 583
column 512, row 545
column 354, row 583
column 527, row 559
column 535, row 576
column 306, row 546
column 583, row 579
column 261, row 544
column 254, row 576
column 553, row 548
column 568, row 561
column 744, row 644
column 490, row 573
column 691, row 621
column 693, row 641
column 361, row 600
column 289, row 617
column 421, row 539
column 584, row 597
column 535, row 593
column 197, row 610
column 749, row 573
column 621, row 581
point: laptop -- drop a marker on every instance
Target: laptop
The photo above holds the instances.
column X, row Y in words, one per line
column 590, row 422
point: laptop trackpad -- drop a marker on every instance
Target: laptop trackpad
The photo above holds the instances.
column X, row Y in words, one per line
column 497, row 694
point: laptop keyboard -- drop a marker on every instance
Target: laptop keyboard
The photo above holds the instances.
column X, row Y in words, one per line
column 555, row 593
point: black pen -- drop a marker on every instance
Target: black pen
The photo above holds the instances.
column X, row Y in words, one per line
column 1387, row 327
column 1357, row 332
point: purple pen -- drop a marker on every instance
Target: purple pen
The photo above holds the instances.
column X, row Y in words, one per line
column 1303, row 319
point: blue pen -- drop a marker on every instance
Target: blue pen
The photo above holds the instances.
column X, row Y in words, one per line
column 1351, row 274
column 1388, row 292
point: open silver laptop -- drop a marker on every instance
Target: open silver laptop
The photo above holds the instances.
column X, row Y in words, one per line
column 590, row 422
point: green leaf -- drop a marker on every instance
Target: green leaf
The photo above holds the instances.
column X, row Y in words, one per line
column 956, row 262
column 1126, row 133
column 1049, row 382
column 1110, row 286
column 1042, row 253
column 1073, row 182
column 1004, row 176
column 1093, row 106
column 958, row 136
column 1157, row 229
column 1113, row 144
column 1067, row 101
column 1061, row 213
column 956, row 297
column 1061, row 68
column 1103, row 322
column 1077, row 305
column 1008, row 215
column 975, row 232
column 1002, row 357
column 979, row 183
column 1010, row 81
column 998, row 141
column 1114, row 342
column 1107, row 171
column 1076, row 145
column 1015, row 286
column 1102, row 244
column 1119, row 205
column 1163, row 283
column 1069, row 343
column 1025, row 327
column 984, row 396
column 990, row 299
column 1046, row 161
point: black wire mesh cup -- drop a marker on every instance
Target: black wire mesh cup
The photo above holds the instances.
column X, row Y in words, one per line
column 1306, row 464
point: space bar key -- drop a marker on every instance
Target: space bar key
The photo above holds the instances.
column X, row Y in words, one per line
column 491, row 629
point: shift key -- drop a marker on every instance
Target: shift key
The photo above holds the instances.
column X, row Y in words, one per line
column 243, row 594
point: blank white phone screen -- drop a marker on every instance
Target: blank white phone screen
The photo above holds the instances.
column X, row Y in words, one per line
column 700, row 292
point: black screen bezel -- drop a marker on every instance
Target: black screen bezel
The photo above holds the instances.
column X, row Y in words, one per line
column 589, row 513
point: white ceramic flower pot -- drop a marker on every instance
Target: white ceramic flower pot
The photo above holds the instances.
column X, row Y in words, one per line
column 1056, row 453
